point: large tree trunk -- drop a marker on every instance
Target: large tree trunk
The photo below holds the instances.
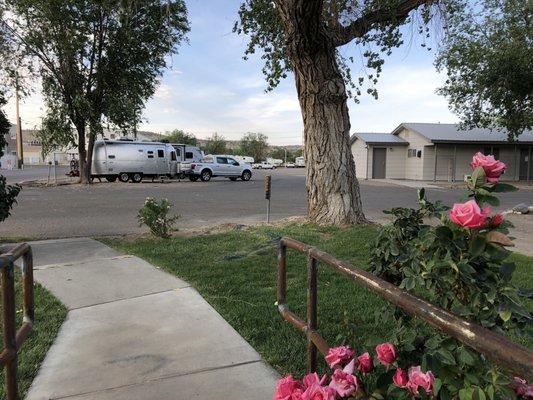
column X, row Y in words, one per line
column 82, row 152
column 332, row 187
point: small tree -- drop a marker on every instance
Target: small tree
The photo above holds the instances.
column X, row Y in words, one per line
column 254, row 145
column 182, row 137
column 216, row 144
column 487, row 55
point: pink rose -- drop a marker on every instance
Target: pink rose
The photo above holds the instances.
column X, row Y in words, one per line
column 469, row 215
column 366, row 365
column 519, row 386
column 386, row 353
column 492, row 167
column 529, row 392
column 317, row 392
column 497, row 220
column 419, row 379
column 286, row 387
column 313, row 379
column 339, row 355
column 343, row 381
column 400, row 378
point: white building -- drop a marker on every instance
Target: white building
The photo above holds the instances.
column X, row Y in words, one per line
column 437, row 152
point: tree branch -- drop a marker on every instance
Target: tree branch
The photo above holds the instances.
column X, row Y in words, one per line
column 345, row 34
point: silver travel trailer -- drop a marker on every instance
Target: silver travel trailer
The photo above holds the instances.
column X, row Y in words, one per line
column 133, row 160
column 188, row 154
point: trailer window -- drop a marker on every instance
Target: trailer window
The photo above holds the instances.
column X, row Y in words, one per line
column 150, row 154
column 110, row 156
column 178, row 152
column 188, row 154
column 161, row 153
column 173, row 155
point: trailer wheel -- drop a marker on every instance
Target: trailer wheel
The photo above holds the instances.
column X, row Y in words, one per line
column 137, row 177
column 123, row 177
column 246, row 175
column 205, row 176
column 111, row 178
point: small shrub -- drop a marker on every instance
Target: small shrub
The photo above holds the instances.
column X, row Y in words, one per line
column 155, row 216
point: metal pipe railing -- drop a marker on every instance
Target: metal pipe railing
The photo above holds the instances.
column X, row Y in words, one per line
column 496, row 347
column 13, row 338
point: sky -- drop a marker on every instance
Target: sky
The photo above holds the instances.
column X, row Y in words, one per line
column 210, row 88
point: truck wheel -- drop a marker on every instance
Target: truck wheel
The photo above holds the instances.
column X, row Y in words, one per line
column 205, row 176
column 246, row 175
column 233, row 178
column 111, row 178
column 137, row 177
column 193, row 178
column 123, row 177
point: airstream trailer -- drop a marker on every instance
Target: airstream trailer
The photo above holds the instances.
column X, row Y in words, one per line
column 133, row 160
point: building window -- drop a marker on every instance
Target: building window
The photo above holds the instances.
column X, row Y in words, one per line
column 413, row 153
column 494, row 151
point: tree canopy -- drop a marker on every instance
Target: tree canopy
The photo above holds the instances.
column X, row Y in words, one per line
column 216, row 144
column 181, row 137
column 488, row 56
column 99, row 61
column 254, row 145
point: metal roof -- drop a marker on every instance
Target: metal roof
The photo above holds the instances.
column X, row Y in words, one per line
column 450, row 133
column 379, row 138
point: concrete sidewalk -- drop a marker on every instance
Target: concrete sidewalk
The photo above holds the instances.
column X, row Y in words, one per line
column 135, row 332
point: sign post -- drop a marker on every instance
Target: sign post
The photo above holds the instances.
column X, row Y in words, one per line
column 268, row 189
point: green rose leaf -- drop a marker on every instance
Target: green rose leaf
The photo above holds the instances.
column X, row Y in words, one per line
column 477, row 245
column 478, row 177
column 503, row 187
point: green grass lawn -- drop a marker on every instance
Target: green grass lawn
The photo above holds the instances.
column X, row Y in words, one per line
column 236, row 273
column 49, row 315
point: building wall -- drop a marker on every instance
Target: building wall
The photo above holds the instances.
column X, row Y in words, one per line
column 395, row 163
column 414, row 166
column 359, row 153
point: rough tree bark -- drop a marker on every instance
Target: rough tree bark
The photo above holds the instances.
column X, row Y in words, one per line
column 332, row 186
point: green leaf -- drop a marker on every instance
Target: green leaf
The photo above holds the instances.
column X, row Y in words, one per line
column 466, row 357
column 477, row 245
column 478, row 177
column 466, row 394
column 505, row 315
column 479, row 394
column 492, row 200
column 503, row 187
column 446, row 357
column 506, row 271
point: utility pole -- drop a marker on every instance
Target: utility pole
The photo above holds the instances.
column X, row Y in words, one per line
column 20, row 151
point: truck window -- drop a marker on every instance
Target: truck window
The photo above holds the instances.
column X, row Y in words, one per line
column 173, row 156
column 188, row 154
column 222, row 160
column 161, row 153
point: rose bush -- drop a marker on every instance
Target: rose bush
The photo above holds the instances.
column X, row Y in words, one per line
column 460, row 264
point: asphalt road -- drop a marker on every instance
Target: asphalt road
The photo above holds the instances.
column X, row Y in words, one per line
column 111, row 208
column 31, row 173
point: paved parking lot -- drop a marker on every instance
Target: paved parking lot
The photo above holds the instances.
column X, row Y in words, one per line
column 111, row 208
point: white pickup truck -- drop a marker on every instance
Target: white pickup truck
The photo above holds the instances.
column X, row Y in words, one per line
column 219, row 165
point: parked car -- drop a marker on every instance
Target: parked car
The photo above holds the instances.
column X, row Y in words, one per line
column 290, row 165
column 264, row 165
column 219, row 165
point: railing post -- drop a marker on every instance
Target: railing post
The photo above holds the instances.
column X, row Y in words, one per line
column 311, row 313
column 27, row 277
column 10, row 344
column 282, row 273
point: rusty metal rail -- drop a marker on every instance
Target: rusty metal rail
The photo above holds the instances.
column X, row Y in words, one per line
column 13, row 338
column 496, row 347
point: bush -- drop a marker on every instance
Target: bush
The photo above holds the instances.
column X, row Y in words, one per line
column 8, row 194
column 459, row 264
column 155, row 216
